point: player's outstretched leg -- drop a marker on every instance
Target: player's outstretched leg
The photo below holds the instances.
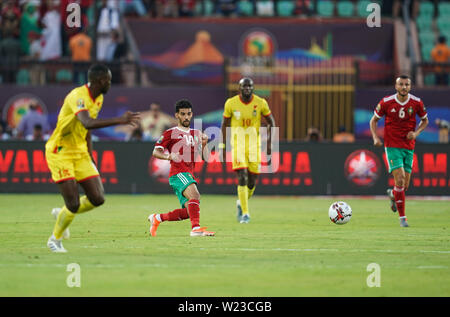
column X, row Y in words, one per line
column 399, row 194
column 175, row 215
column 391, row 199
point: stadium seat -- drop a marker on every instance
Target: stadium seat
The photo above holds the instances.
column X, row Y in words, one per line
column 285, row 8
column 444, row 9
column 429, row 79
column 64, row 75
column 426, row 8
column 361, row 8
column 245, row 8
column 325, row 8
column 345, row 9
column 209, row 8
column 426, row 52
column 23, row 77
column 443, row 23
column 424, row 22
column 427, row 37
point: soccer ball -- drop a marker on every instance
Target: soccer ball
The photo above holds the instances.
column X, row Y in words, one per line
column 340, row 212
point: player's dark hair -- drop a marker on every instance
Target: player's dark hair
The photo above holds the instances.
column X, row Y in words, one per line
column 97, row 71
column 182, row 104
column 404, row 77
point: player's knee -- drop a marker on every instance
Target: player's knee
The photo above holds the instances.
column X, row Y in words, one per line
column 97, row 200
column 73, row 206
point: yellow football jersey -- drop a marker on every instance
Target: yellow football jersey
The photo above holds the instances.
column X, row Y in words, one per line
column 245, row 115
column 69, row 136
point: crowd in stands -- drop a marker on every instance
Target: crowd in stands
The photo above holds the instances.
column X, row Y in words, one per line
column 41, row 30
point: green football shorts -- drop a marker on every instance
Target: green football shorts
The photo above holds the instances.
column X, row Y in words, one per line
column 397, row 158
column 179, row 183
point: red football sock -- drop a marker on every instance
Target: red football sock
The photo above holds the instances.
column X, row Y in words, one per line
column 193, row 208
column 175, row 215
column 399, row 196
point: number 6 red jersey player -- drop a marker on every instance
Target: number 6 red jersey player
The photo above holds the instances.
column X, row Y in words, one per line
column 400, row 134
column 184, row 146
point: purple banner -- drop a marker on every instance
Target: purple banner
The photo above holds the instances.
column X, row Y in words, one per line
column 193, row 51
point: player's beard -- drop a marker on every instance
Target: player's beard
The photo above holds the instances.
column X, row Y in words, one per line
column 186, row 123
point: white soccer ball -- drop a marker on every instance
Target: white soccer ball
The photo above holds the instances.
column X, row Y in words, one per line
column 340, row 212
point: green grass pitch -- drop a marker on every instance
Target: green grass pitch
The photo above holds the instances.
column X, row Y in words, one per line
column 290, row 248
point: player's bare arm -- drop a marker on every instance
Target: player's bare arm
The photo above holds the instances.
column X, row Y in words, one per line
column 159, row 154
column 91, row 123
column 270, row 121
column 412, row 135
column 373, row 129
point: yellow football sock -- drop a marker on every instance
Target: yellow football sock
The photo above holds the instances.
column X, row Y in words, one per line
column 251, row 191
column 85, row 205
column 64, row 219
column 243, row 198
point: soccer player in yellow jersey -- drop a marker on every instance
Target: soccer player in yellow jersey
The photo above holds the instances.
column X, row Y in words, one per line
column 243, row 114
column 69, row 151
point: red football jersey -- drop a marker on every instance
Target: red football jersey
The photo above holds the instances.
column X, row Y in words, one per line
column 400, row 119
column 186, row 143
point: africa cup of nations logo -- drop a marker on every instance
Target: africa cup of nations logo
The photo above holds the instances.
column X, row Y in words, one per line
column 17, row 106
column 362, row 168
column 258, row 44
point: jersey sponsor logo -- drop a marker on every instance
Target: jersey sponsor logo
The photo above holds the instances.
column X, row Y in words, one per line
column 237, row 114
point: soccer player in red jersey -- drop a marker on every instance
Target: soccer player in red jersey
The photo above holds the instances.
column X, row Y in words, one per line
column 184, row 146
column 400, row 134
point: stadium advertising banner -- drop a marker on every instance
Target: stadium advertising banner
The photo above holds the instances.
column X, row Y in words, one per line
column 193, row 51
column 303, row 169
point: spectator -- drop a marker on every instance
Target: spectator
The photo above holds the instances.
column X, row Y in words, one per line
column 37, row 135
column 155, row 123
column 51, row 34
column 226, row 8
column 108, row 21
column 135, row 6
column 32, row 118
column 116, row 49
column 136, row 134
column 313, row 135
column 166, row 8
column 28, row 23
column 9, row 45
column 80, row 46
column 67, row 31
column 443, row 126
column 10, row 20
column 4, row 135
column 440, row 54
column 186, row 8
column 343, row 136
column 302, row 7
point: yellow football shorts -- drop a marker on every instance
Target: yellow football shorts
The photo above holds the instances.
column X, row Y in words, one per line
column 64, row 167
column 246, row 158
